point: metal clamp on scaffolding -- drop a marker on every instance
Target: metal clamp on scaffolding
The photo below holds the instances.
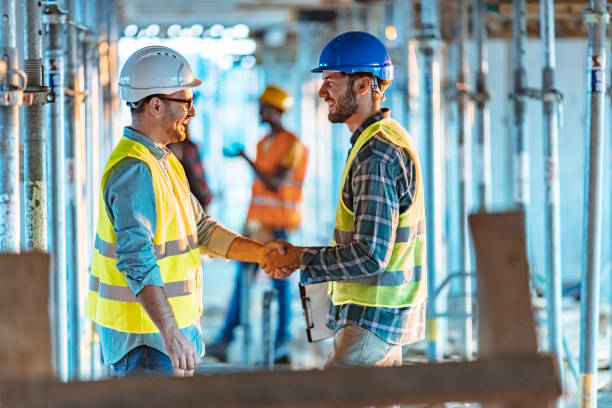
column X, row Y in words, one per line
column 11, row 94
column 594, row 16
column 53, row 13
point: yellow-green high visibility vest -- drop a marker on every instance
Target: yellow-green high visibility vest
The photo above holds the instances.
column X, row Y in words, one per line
column 110, row 302
column 404, row 281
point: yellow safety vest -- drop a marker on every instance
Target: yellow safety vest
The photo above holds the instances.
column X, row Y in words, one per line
column 404, row 281
column 110, row 302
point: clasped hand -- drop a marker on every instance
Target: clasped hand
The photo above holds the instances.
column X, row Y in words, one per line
column 280, row 259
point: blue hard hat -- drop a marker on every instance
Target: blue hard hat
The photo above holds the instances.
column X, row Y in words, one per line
column 356, row 51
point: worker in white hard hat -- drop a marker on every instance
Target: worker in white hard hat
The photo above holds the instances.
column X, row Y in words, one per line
column 146, row 278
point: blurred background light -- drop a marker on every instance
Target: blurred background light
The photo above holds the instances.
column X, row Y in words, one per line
column 240, row 31
column 131, row 30
column 153, row 30
column 216, row 30
column 390, row 33
column 174, row 30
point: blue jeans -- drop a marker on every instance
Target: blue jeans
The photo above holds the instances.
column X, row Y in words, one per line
column 144, row 360
column 232, row 319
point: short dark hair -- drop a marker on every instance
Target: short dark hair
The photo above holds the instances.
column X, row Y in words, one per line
column 138, row 107
column 382, row 84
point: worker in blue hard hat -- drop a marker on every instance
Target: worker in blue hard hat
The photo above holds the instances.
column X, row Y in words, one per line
column 376, row 265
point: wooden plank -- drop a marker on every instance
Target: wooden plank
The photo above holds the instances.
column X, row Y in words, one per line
column 524, row 380
column 506, row 324
column 25, row 350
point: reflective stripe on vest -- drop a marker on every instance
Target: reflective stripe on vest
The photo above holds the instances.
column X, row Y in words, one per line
column 404, row 280
column 110, row 301
column 169, row 248
column 125, row 294
column 280, row 208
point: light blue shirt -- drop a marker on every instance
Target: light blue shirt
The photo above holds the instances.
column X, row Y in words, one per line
column 130, row 203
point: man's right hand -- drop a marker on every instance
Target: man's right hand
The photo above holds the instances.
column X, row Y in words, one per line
column 181, row 351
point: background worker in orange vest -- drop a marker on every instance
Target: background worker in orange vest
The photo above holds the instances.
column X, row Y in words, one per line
column 280, row 167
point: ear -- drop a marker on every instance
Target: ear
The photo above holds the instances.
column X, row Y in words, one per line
column 156, row 108
column 362, row 85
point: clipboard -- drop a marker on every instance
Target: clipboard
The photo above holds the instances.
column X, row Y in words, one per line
column 316, row 303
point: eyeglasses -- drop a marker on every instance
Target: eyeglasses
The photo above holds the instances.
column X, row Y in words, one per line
column 189, row 102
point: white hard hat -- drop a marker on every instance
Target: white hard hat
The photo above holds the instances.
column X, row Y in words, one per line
column 155, row 70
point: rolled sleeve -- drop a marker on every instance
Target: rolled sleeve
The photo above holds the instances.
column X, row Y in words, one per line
column 130, row 202
column 213, row 238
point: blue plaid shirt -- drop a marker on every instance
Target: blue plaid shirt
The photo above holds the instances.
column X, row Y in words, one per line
column 379, row 187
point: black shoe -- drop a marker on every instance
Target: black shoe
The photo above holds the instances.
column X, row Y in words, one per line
column 218, row 350
column 282, row 360
column 281, row 353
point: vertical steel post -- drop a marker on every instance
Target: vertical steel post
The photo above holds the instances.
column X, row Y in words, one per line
column 519, row 128
column 464, row 139
column 35, row 172
column 267, row 343
column 11, row 89
column 552, row 220
column 75, row 144
column 597, row 18
column 482, row 117
column 433, row 170
column 55, row 21
column 246, row 271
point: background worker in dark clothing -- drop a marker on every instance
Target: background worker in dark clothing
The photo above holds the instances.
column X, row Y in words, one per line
column 275, row 209
column 189, row 155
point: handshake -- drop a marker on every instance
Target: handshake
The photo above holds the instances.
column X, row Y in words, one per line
column 279, row 259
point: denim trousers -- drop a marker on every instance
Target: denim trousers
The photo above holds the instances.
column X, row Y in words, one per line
column 232, row 319
column 144, row 360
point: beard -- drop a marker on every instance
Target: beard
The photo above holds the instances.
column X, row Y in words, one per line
column 346, row 106
column 176, row 131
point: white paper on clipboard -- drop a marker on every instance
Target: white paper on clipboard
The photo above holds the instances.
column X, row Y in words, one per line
column 316, row 302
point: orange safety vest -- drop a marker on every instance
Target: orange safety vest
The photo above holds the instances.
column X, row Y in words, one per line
column 281, row 208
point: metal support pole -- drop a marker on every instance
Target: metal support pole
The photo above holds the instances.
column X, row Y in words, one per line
column 35, row 168
column 55, row 21
column 75, row 143
column 552, row 220
column 433, row 170
column 597, row 18
column 519, row 128
column 11, row 87
column 245, row 309
column 481, row 97
column 267, row 339
column 464, row 140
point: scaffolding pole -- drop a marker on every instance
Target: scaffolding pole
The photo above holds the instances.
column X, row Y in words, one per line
column 12, row 83
column 55, row 22
column 552, row 221
column 35, row 144
column 75, row 143
column 519, row 90
column 481, row 98
column 597, row 18
column 433, row 170
column 464, row 140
